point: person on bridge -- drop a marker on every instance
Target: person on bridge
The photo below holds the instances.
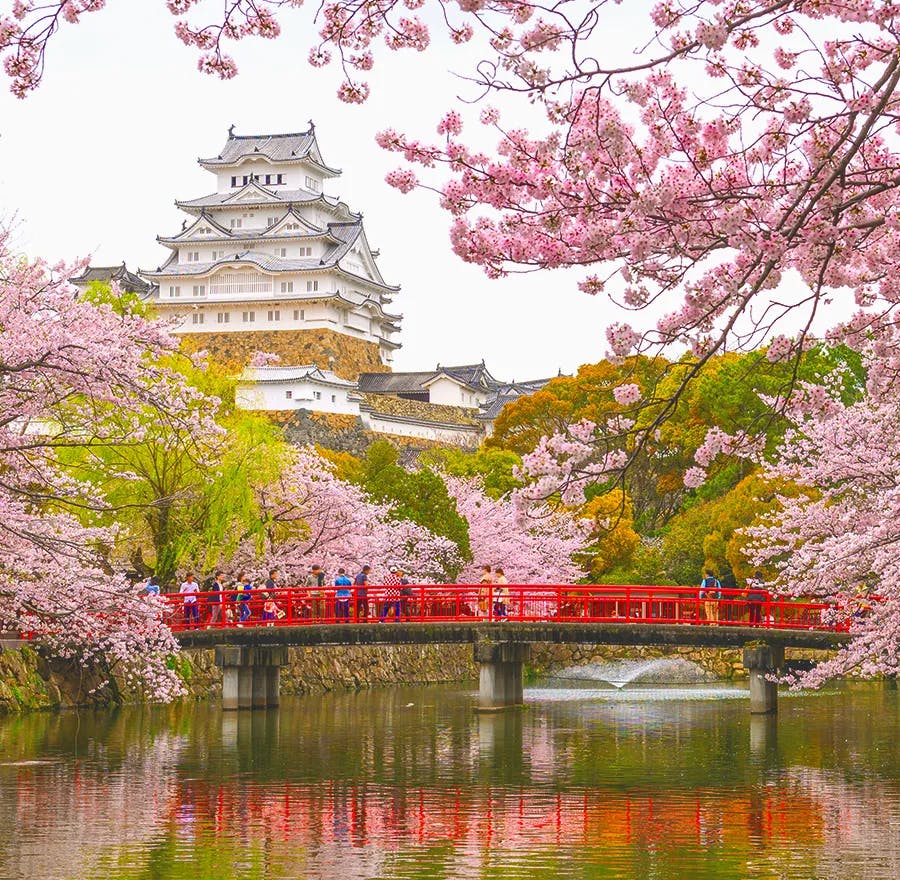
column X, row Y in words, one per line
column 243, row 593
column 189, row 589
column 406, row 592
column 361, row 584
column 711, row 594
column 342, row 596
column 756, row 595
column 315, row 580
column 501, row 594
column 391, row 594
column 484, row 591
column 215, row 588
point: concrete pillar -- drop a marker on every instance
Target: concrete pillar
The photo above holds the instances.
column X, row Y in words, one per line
column 245, row 687
column 500, row 668
column 260, row 681
column 762, row 661
column 273, row 686
column 250, row 675
column 230, row 676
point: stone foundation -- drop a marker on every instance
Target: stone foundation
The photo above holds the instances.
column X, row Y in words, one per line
column 319, row 670
column 345, row 356
column 28, row 681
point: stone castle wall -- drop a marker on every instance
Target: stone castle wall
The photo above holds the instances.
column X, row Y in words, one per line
column 346, row 356
column 343, row 433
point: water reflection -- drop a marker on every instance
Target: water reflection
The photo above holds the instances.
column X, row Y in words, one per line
column 412, row 783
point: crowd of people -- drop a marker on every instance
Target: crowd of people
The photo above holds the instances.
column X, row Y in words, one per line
column 238, row 601
column 218, row 601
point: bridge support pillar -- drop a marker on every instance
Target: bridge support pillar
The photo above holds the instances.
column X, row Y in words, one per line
column 250, row 675
column 762, row 661
column 500, row 668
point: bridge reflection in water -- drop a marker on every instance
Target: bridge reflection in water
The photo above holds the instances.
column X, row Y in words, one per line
column 364, row 785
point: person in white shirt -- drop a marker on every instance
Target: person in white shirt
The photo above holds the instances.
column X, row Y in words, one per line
column 189, row 589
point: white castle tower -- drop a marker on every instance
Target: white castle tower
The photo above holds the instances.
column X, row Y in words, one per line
column 270, row 263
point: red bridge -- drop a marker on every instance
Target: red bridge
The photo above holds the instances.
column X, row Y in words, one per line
column 306, row 606
column 252, row 630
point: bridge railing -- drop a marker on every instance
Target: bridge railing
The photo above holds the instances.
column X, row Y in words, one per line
column 300, row 606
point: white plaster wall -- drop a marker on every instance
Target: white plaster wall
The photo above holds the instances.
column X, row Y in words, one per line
column 271, row 396
column 455, row 436
column 449, row 393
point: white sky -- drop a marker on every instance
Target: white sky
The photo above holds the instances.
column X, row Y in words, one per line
column 90, row 165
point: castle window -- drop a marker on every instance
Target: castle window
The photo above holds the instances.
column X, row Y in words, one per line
column 280, row 252
column 174, row 291
column 270, row 221
column 334, row 398
column 199, row 290
column 236, row 223
column 249, row 317
column 299, row 314
column 223, row 317
column 197, row 318
column 313, row 184
column 311, row 286
column 288, row 394
column 287, row 287
column 274, row 315
column 317, row 395
column 234, row 181
column 279, row 178
column 193, row 256
column 235, row 283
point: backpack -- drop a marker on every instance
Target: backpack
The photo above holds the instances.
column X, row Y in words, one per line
column 710, row 588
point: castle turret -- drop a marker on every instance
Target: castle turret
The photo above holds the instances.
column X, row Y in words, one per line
column 269, row 262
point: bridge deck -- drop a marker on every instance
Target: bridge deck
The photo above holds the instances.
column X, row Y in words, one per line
column 451, row 632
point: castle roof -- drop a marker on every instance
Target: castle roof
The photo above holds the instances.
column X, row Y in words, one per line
column 309, row 231
column 265, row 196
column 394, row 383
column 293, row 374
column 126, row 280
column 277, row 148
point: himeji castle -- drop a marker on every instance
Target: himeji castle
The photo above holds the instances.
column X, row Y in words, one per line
column 270, row 263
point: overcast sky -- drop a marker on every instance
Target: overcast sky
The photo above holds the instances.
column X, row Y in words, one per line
column 92, row 162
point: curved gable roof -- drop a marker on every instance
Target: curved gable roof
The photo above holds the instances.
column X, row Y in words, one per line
column 278, row 148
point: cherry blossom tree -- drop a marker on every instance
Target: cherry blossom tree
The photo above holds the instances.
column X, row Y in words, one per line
column 737, row 141
column 727, row 166
column 308, row 515
column 839, row 540
column 532, row 543
column 71, row 374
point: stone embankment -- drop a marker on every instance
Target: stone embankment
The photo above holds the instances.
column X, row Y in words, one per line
column 29, row 682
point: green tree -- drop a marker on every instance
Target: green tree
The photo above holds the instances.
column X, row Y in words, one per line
column 494, row 467
column 182, row 495
column 417, row 495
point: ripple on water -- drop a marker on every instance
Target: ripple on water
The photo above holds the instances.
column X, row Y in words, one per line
column 634, row 694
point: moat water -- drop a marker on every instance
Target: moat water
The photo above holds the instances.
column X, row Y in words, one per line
column 587, row 781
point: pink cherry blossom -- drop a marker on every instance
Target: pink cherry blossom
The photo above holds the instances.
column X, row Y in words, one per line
column 839, row 539
column 627, row 395
column 70, row 372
